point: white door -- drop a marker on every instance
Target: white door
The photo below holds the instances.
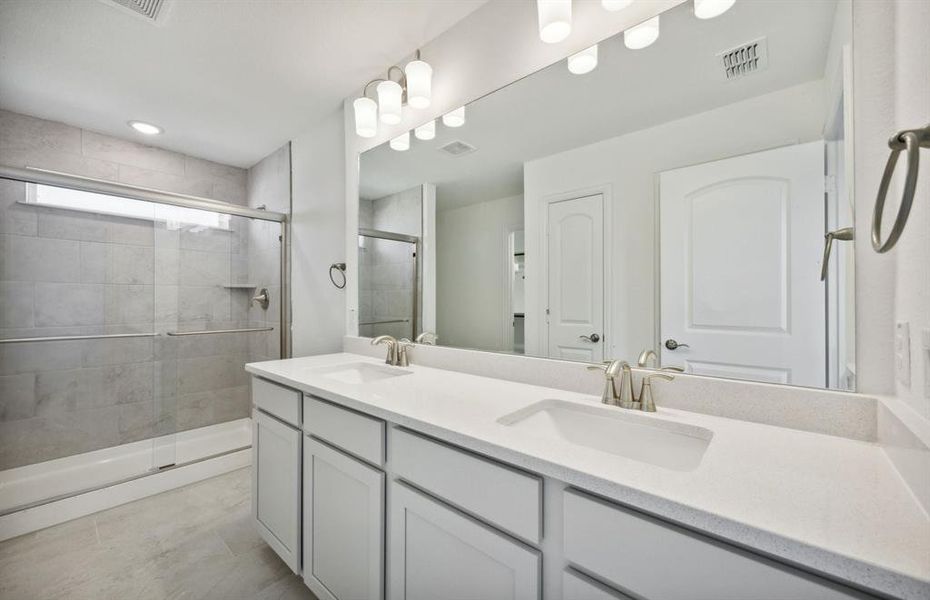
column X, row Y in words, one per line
column 438, row 553
column 276, row 485
column 741, row 243
column 343, row 525
column 575, row 256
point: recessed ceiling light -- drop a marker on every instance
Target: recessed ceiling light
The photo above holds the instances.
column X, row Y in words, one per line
column 146, row 128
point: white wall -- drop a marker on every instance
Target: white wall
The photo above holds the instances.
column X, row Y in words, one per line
column 318, row 237
column 472, row 290
column 626, row 167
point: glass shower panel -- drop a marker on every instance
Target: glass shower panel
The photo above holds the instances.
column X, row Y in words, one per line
column 388, row 285
column 77, row 345
column 218, row 298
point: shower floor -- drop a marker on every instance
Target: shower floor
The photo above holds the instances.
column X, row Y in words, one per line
column 195, row 542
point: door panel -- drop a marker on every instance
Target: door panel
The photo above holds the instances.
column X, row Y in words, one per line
column 576, row 278
column 741, row 242
column 439, row 554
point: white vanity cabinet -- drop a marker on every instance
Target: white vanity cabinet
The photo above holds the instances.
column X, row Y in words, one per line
column 276, row 485
column 439, row 553
column 343, row 525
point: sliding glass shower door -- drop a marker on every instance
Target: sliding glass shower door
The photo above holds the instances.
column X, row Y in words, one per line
column 124, row 328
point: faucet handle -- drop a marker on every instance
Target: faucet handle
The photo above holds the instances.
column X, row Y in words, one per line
column 647, row 404
column 403, row 344
column 673, row 368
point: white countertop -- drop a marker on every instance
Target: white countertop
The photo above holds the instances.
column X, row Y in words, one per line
column 827, row 503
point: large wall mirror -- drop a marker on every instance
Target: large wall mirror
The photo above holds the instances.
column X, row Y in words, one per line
column 676, row 198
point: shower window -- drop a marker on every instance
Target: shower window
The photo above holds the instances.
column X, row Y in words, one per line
column 124, row 327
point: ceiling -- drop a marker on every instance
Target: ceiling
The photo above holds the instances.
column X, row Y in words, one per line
column 552, row 110
column 228, row 81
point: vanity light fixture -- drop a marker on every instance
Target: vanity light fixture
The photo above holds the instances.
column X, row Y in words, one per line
column 401, row 142
column 555, row 20
column 708, row 9
column 615, row 5
column 584, row 61
column 426, row 131
column 366, row 117
column 145, row 128
column 413, row 86
column 419, row 77
column 642, row 35
column 455, row 118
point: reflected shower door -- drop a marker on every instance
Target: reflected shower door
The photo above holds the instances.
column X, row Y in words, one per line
column 388, row 284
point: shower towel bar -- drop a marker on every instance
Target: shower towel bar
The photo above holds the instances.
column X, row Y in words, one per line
column 386, row 322
column 212, row 331
column 911, row 141
column 65, row 338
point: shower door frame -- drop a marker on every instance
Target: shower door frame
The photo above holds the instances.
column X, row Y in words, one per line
column 409, row 239
column 102, row 186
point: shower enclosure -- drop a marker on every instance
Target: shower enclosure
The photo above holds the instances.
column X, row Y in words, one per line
column 126, row 316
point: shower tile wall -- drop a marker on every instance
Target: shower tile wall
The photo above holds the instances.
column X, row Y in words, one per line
column 66, row 272
column 386, row 276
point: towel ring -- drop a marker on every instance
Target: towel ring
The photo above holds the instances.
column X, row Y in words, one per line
column 341, row 268
column 911, row 141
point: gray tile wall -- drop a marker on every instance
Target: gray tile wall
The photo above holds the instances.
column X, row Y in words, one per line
column 66, row 272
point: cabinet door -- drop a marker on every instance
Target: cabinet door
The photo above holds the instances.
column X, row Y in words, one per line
column 343, row 525
column 276, row 486
column 437, row 553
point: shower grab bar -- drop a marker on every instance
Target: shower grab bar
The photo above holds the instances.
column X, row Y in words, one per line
column 65, row 338
column 386, row 322
column 910, row 140
column 213, row 331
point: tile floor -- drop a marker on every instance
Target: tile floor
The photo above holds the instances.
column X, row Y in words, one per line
column 193, row 543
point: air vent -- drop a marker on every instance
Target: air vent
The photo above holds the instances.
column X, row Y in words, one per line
column 745, row 59
column 150, row 10
column 457, row 148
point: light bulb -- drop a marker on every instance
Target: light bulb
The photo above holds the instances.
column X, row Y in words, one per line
column 419, row 83
column 708, row 9
column 366, row 117
column 455, row 118
column 401, row 142
column 555, row 20
column 615, row 5
column 146, row 128
column 642, row 35
column 389, row 102
column 426, row 131
column 584, row 61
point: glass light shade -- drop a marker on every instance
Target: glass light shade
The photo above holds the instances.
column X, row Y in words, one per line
column 455, row 118
column 419, row 83
column 615, row 5
column 642, row 35
column 426, row 131
column 389, row 101
column 366, row 117
column 708, row 9
column 401, row 142
column 584, row 61
column 146, row 128
column 555, row 20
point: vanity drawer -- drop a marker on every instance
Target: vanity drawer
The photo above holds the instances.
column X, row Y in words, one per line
column 282, row 402
column 499, row 494
column 354, row 432
column 656, row 560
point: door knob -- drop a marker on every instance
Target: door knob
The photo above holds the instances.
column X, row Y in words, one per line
column 593, row 338
column 673, row 345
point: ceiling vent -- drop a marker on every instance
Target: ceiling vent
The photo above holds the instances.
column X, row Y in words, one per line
column 457, row 148
column 153, row 11
column 745, row 59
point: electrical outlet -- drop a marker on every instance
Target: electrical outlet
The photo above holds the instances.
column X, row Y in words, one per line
column 902, row 353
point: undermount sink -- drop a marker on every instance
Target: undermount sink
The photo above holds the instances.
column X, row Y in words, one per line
column 614, row 430
column 359, row 373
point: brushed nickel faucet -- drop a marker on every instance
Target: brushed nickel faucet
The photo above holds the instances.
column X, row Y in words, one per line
column 623, row 396
column 391, row 343
column 427, row 338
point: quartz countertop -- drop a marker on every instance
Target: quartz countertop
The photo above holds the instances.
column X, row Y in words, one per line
column 827, row 503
